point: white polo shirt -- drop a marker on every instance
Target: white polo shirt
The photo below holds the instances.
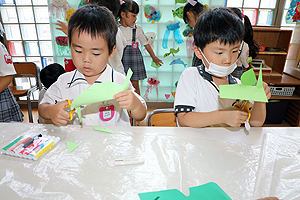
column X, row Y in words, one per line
column 197, row 92
column 6, row 64
column 108, row 113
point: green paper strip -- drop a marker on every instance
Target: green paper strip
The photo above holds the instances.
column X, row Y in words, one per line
column 102, row 129
column 71, row 146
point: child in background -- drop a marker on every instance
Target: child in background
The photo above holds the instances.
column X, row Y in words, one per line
column 249, row 45
column 114, row 6
column 92, row 37
column 9, row 108
column 197, row 101
column 132, row 57
column 48, row 76
column 191, row 11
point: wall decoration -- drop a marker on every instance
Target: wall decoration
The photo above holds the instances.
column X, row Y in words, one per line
column 172, row 51
column 178, row 12
column 172, row 26
column 82, row 3
column 180, row 1
column 152, row 83
column 293, row 13
column 152, row 14
column 188, row 33
column 59, row 8
column 62, row 45
column 178, row 61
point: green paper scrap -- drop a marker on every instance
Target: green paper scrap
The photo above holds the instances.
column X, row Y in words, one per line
column 248, row 77
column 172, row 51
column 208, row 191
column 102, row 129
column 153, row 64
column 245, row 92
column 99, row 92
column 71, row 146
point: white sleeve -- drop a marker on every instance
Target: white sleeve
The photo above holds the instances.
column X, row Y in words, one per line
column 141, row 36
column 6, row 65
column 53, row 93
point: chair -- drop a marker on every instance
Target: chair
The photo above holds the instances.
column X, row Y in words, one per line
column 27, row 70
column 162, row 117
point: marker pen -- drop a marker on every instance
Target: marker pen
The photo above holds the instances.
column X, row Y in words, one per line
column 32, row 146
column 38, row 148
column 46, row 148
column 30, row 143
column 12, row 143
column 23, row 145
column 20, row 146
column 120, row 162
column 18, row 143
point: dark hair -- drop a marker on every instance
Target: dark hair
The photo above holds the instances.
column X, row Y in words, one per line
column 112, row 5
column 248, row 38
column 129, row 6
column 196, row 9
column 96, row 21
column 50, row 73
column 218, row 24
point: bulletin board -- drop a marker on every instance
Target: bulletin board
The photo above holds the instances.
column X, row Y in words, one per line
column 179, row 57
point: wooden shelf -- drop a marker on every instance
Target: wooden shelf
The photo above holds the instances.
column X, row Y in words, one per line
column 294, row 97
column 272, row 53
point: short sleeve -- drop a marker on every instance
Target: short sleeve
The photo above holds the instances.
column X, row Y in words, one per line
column 141, row 36
column 185, row 97
column 6, row 64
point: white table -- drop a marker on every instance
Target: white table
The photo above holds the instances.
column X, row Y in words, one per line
column 264, row 163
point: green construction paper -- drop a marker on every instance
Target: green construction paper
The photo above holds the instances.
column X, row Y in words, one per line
column 153, row 64
column 209, row 191
column 245, row 92
column 248, row 77
column 102, row 129
column 71, row 146
column 99, row 92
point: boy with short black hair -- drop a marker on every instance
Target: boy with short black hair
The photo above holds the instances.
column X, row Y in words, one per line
column 218, row 35
column 92, row 38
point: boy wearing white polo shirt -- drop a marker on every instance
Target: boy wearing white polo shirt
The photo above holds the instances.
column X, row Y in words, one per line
column 92, row 38
column 218, row 35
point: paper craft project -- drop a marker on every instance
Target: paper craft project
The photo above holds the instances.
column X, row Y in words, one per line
column 153, row 64
column 167, row 96
column 69, row 13
column 71, row 146
column 102, row 129
column 152, row 83
column 172, row 51
column 152, row 14
column 59, row 8
column 178, row 12
column 208, row 191
column 293, row 13
column 246, row 90
column 151, row 37
column 188, row 33
column 99, row 92
column 172, row 26
column 178, row 61
column 180, row 1
column 82, row 3
column 62, row 45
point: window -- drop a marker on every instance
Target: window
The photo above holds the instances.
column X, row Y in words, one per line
column 27, row 30
column 260, row 12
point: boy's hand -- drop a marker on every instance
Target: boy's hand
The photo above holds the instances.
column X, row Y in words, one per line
column 62, row 27
column 126, row 99
column 234, row 116
column 157, row 61
column 267, row 90
column 57, row 113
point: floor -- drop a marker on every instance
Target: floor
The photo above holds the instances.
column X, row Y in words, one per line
column 35, row 116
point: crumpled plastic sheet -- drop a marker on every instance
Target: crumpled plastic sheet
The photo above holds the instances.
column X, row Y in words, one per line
column 279, row 169
column 174, row 158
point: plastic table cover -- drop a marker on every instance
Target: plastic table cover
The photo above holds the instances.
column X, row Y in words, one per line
column 262, row 163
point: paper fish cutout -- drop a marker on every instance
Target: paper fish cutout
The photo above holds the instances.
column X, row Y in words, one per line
column 172, row 51
column 246, row 90
column 208, row 191
column 152, row 14
column 180, row 1
column 99, row 92
column 71, row 146
column 178, row 12
column 178, row 61
column 293, row 13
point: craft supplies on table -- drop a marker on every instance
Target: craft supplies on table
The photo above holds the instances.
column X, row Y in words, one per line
column 30, row 146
